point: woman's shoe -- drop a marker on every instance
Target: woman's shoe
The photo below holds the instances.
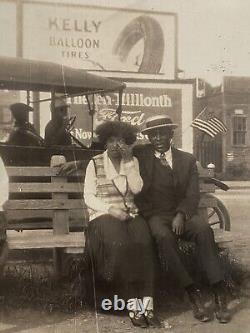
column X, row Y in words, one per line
column 152, row 320
column 138, row 319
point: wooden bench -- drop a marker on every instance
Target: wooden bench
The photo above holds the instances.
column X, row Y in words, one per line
column 48, row 209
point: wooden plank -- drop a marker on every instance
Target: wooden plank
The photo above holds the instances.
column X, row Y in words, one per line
column 33, row 171
column 60, row 218
column 44, row 239
column 207, row 188
column 32, row 225
column 28, row 214
column 207, row 202
column 17, row 215
column 46, row 187
column 73, row 250
column 222, row 237
column 45, row 204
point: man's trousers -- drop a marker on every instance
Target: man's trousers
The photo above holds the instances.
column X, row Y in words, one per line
column 196, row 231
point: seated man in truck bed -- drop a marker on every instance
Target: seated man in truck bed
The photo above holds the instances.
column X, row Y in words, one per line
column 57, row 129
column 23, row 133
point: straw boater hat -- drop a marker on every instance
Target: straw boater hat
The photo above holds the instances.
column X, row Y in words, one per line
column 159, row 121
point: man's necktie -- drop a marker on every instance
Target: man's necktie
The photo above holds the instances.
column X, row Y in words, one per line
column 163, row 160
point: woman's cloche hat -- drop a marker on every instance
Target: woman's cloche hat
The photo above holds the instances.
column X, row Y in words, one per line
column 158, row 121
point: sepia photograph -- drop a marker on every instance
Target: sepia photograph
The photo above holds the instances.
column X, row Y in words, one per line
column 124, row 167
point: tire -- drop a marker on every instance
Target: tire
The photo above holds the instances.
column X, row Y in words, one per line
column 219, row 216
column 148, row 29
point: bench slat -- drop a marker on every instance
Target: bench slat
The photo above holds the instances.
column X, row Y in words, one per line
column 41, row 239
column 222, row 237
column 76, row 224
column 71, row 187
column 37, row 172
column 46, row 187
column 32, row 171
column 45, row 204
column 207, row 188
column 18, row 215
column 207, row 202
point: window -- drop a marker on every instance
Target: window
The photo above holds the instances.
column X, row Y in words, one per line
column 239, row 123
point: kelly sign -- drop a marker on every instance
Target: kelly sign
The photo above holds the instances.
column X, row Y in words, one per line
column 97, row 38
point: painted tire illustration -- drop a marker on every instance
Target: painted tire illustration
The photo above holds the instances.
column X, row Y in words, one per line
column 148, row 29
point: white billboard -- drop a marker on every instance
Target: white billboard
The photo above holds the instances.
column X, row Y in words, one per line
column 7, row 28
column 101, row 38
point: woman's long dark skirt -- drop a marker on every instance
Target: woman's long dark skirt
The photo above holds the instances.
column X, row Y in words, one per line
column 120, row 258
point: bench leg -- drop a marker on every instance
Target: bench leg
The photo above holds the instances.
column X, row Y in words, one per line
column 58, row 263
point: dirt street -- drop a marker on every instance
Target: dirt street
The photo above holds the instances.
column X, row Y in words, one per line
column 177, row 319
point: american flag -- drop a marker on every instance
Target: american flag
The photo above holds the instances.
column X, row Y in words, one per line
column 209, row 124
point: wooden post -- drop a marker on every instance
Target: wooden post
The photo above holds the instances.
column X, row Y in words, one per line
column 60, row 216
column 36, row 114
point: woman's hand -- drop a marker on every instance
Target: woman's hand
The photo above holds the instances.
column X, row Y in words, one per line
column 126, row 152
column 118, row 213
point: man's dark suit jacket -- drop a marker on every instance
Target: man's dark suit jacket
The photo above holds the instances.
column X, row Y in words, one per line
column 186, row 180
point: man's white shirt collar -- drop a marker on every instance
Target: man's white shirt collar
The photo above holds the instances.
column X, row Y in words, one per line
column 168, row 156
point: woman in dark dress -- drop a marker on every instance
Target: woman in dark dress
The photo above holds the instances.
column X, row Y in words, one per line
column 118, row 242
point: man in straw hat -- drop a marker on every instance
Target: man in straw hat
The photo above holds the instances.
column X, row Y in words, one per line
column 169, row 201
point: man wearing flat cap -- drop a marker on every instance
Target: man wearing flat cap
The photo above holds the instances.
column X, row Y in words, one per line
column 23, row 133
column 169, row 201
column 57, row 129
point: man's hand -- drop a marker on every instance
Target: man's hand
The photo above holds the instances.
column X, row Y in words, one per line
column 126, row 152
column 70, row 122
column 178, row 224
column 118, row 213
column 69, row 168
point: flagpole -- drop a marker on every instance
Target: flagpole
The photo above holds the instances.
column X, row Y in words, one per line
column 202, row 111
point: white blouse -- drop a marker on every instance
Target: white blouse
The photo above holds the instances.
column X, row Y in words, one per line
column 128, row 169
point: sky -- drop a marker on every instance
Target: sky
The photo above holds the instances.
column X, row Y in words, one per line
column 213, row 36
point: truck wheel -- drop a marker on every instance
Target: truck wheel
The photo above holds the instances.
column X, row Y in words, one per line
column 219, row 216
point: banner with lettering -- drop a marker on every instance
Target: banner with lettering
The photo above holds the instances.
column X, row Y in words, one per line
column 140, row 100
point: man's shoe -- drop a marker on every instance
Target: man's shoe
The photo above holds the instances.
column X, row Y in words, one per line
column 152, row 320
column 199, row 311
column 222, row 313
column 138, row 319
